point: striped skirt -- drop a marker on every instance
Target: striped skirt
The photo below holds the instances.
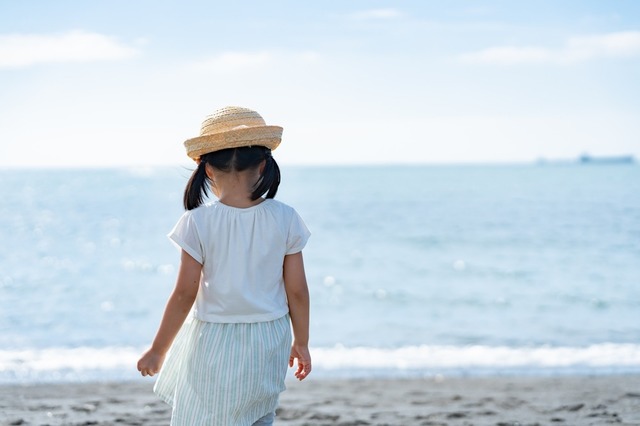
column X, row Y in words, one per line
column 225, row 374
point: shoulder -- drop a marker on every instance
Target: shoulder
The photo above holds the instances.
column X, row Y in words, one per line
column 204, row 209
column 198, row 214
column 290, row 219
column 277, row 204
column 279, row 207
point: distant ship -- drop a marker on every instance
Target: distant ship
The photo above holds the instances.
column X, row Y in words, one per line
column 619, row 159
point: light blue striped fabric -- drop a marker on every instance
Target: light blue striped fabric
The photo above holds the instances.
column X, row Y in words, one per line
column 227, row 374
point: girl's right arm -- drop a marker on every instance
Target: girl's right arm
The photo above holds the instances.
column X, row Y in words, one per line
column 176, row 311
column 295, row 283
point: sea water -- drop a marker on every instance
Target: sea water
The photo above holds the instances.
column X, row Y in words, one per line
column 413, row 270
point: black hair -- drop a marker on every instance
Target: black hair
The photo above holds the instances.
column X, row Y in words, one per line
column 233, row 160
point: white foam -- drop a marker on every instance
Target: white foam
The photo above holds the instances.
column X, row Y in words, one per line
column 468, row 357
column 78, row 359
column 84, row 362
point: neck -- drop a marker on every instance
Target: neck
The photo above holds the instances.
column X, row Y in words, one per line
column 233, row 200
column 234, row 189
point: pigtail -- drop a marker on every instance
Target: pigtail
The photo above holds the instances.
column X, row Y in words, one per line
column 270, row 179
column 197, row 187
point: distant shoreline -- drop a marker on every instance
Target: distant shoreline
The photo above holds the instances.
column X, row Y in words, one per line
column 144, row 169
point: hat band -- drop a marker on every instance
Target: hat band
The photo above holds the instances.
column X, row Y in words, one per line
column 268, row 136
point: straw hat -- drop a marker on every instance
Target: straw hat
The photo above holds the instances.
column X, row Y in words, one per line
column 232, row 127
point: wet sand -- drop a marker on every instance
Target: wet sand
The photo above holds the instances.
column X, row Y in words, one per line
column 498, row 401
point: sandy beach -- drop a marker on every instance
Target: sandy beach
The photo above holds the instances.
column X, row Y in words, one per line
column 598, row 400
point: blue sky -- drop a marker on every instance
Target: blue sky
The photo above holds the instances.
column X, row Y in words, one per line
column 124, row 83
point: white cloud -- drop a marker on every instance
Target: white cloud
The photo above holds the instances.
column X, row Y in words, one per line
column 310, row 56
column 575, row 49
column 23, row 50
column 231, row 62
column 377, row 14
column 618, row 44
column 508, row 55
column 234, row 61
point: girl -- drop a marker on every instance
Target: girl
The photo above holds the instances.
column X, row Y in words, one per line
column 241, row 263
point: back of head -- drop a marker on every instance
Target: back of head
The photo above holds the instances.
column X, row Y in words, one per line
column 233, row 139
column 234, row 160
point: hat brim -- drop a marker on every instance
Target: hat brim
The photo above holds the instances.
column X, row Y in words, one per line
column 267, row 136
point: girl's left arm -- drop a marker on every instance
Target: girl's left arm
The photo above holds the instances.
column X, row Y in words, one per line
column 176, row 311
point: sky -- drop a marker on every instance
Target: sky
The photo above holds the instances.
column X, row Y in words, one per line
column 124, row 83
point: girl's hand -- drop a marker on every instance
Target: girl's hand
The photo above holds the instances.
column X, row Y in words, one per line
column 301, row 352
column 150, row 363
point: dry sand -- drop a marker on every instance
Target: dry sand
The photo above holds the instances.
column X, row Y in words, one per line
column 598, row 400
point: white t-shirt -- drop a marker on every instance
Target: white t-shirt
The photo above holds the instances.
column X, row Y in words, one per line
column 242, row 254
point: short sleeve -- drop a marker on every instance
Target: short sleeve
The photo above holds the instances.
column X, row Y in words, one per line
column 298, row 234
column 185, row 235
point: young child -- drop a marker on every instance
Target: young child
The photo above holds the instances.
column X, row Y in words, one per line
column 241, row 263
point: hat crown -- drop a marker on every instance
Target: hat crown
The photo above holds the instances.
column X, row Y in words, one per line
column 230, row 118
column 232, row 127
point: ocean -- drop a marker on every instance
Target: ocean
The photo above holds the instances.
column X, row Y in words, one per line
column 414, row 271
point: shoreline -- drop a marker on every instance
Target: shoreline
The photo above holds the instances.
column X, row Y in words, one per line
column 501, row 400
